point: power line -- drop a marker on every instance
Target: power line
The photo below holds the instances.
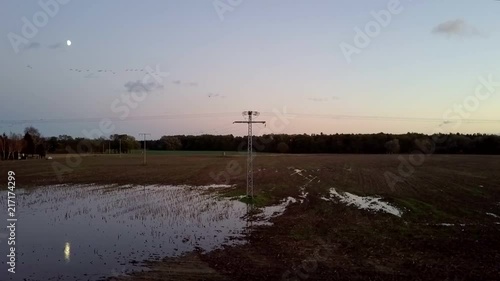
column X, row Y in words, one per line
column 118, row 119
column 144, row 151
column 227, row 114
column 375, row 117
column 250, row 122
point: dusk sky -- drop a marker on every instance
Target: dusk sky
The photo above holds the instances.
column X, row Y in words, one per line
column 227, row 56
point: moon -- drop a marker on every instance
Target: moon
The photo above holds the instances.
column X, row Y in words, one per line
column 68, row 42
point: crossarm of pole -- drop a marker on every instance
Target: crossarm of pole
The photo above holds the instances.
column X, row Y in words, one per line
column 247, row 122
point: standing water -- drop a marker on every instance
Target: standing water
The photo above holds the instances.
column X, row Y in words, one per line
column 88, row 232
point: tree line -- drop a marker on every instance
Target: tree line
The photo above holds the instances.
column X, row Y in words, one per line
column 18, row 146
column 32, row 144
column 336, row 143
column 116, row 143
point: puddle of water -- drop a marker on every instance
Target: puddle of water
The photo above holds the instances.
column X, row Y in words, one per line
column 86, row 232
column 450, row 224
column 445, row 224
column 274, row 211
column 303, row 194
column 300, row 172
column 493, row 215
column 297, row 171
column 366, row 203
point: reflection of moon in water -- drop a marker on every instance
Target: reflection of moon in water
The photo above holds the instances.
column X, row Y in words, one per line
column 67, row 251
column 68, row 42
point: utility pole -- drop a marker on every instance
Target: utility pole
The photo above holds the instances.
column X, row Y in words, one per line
column 144, row 134
column 250, row 114
column 120, row 147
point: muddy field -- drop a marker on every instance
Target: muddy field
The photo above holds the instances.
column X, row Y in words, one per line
column 343, row 219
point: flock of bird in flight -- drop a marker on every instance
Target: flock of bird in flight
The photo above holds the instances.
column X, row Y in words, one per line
column 90, row 71
column 107, row 70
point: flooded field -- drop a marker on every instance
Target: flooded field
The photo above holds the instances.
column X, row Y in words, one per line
column 89, row 232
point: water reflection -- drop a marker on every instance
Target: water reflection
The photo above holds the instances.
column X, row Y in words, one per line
column 249, row 217
column 105, row 228
column 67, row 251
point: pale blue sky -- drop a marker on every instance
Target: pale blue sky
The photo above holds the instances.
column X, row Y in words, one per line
column 262, row 55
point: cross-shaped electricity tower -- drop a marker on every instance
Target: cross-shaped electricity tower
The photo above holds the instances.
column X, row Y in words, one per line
column 250, row 114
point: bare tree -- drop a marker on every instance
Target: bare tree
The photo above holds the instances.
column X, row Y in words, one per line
column 35, row 134
column 3, row 145
column 16, row 144
column 33, row 139
column 12, row 145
